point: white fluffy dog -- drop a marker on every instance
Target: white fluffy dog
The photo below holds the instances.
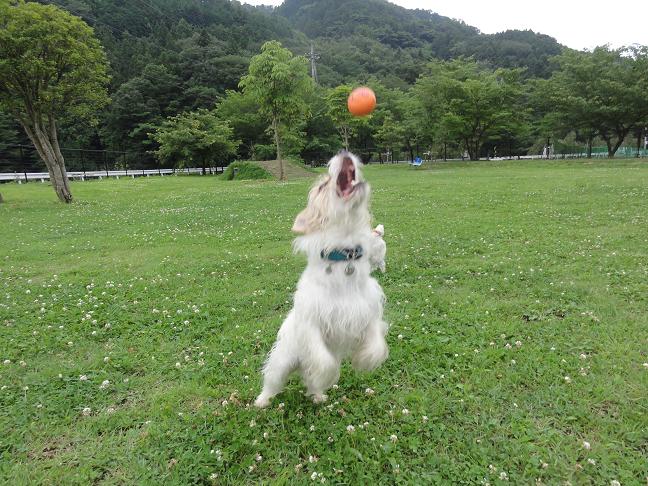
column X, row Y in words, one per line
column 338, row 309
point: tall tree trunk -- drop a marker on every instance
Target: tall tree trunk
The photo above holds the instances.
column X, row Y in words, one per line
column 613, row 147
column 589, row 146
column 275, row 127
column 639, row 137
column 45, row 141
column 345, row 136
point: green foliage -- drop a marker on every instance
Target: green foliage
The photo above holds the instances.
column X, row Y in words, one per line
column 52, row 71
column 600, row 93
column 471, row 104
column 51, row 65
column 338, row 111
column 245, row 171
column 242, row 113
column 195, row 138
column 279, row 83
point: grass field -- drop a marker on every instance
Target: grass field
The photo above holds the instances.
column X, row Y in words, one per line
column 134, row 323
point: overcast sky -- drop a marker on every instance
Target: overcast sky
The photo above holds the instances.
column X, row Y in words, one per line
column 580, row 24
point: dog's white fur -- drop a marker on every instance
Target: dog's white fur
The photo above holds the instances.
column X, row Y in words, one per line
column 335, row 315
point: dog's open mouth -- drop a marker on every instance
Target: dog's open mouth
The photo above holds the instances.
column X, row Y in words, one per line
column 346, row 180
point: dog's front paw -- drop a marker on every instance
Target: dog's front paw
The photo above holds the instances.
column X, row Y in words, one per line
column 261, row 402
column 319, row 398
column 379, row 230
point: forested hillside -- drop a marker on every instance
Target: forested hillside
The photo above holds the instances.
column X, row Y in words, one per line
column 172, row 56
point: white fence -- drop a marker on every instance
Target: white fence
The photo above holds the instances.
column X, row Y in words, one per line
column 21, row 177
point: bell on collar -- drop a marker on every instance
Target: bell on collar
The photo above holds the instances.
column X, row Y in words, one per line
column 349, row 269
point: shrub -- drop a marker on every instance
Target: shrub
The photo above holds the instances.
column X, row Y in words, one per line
column 245, row 171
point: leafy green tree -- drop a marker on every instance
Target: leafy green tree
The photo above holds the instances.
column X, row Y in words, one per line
column 51, row 67
column 338, row 111
column 601, row 92
column 279, row 82
column 139, row 106
column 390, row 135
column 195, row 138
column 475, row 104
column 242, row 113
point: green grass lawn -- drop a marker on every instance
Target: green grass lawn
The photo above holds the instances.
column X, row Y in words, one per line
column 134, row 322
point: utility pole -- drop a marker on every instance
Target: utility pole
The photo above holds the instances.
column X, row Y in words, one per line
column 312, row 57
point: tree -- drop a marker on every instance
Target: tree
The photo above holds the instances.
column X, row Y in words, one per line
column 241, row 111
column 344, row 121
column 389, row 135
column 475, row 105
column 602, row 93
column 196, row 137
column 279, row 82
column 51, row 67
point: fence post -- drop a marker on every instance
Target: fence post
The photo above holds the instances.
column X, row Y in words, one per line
column 105, row 161
column 83, row 165
column 22, row 161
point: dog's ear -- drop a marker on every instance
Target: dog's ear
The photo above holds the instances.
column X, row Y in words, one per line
column 302, row 222
column 313, row 217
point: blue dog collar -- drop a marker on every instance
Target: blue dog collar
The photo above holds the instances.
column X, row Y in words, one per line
column 343, row 254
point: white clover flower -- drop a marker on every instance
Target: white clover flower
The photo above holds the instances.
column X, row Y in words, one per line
column 614, row 482
column 400, row 336
column 106, row 359
column 350, row 429
column 587, row 445
column 312, row 459
column 393, row 437
column 252, row 423
column 368, row 391
column 314, row 476
column 567, row 379
column 213, row 476
column 405, row 411
column 582, row 356
column 178, row 365
column 503, row 476
column 104, row 384
column 83, row 378
column 592, row 462
column 6, row 362
column 425, row 418
column 86, row 411
column 258, row 457
column 518, row 343
column 330, row 439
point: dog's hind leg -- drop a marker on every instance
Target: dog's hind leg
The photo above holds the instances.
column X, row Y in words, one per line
column 320, row 369
column 281, row 362
column 373, row 350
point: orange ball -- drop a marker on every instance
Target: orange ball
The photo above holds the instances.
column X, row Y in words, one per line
column 362, row 101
